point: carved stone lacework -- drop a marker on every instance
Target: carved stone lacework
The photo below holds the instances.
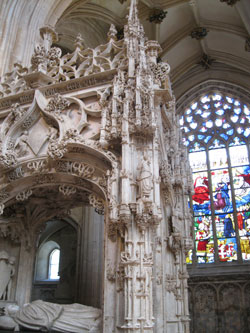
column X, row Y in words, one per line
column 24, row 195
column 97, row 203
column 121, row 140
column 56, row 105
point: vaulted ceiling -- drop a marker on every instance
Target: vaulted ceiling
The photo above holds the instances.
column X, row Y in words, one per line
column 219, row 49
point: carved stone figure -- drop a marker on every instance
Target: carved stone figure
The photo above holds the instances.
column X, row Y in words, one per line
column 52, row 134
column 7, row 270
column 40, row 315
column 22, row 144
column 145, row 177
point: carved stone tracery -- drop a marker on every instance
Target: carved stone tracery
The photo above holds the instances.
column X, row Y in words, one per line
column 117, row 148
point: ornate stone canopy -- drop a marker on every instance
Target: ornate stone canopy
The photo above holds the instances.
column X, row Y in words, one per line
column 98, row 127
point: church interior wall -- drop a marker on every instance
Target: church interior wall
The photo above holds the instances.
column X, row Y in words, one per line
column 88, row 276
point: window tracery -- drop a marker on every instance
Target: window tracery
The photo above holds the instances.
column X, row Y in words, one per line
column 216, row 131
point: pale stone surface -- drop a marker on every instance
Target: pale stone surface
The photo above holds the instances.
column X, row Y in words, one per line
column 108, row 136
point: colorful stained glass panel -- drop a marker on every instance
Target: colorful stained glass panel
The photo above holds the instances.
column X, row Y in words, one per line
column 241, row 177
column 227, row 249
column 205, row 251
column 201, row 197
column 225, row 227
column 245, row 247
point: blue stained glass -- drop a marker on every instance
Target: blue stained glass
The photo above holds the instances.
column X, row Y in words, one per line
column 240, row 130
column 226, row 125
column 206, row 106
column 188, row 111
column 193, row 125
column 220, row 112
column 230, row 132
column 217, row 104
column 203, row 129
column 207, row 138
column 216, row 144
column 194, row 106
column 191, row 137
column 209, row 124
column 247, row 133
column 216, row 97
column 225, row 225
column 224, row 136
column 229, row 99
column 237, row 103
column 234, row 118
column 246, row 110
column 196, row 147
column 205, row 99
column 218, row 122
column 185, row 142
column 236, row 142
column 248, row 118
column 186, row 129
column 189, row 119
column 198, row 111
column 181, row 121
column 226, row 107
column 205, row 114
column 237, row 110
column 243, row 120
column 201, row 137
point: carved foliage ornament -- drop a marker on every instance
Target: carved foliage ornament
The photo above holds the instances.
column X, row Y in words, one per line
column 199, row 33
column 97, row 203
column 157, row 16
column 230, row 2
column 56, row 105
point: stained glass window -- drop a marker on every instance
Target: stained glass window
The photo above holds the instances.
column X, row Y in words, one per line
column 216, row 131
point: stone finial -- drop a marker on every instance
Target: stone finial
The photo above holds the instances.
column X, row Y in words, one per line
column 112, row 33
column 199, row 33
column 79, row 41
column 157, row 15
column 49, row 36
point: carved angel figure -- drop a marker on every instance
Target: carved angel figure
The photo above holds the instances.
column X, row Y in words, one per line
column 22, row 144
column 45, row 316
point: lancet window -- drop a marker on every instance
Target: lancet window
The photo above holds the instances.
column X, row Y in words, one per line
column 216, row 131
column 54, row 265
